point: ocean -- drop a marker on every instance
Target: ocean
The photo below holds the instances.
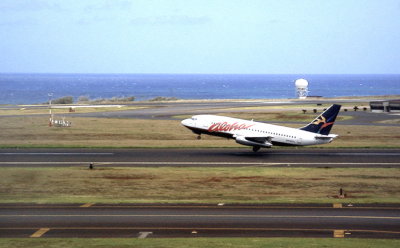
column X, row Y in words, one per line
column 34, row 88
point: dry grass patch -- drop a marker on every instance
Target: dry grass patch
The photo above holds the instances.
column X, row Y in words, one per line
column 198, row 185
column 101, row 132
column 105, row 132
column 366, row 136
column 198, row 242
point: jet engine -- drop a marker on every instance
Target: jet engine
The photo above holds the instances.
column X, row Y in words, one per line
column 260, row 142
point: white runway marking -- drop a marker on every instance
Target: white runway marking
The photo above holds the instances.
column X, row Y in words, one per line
column 340, row 154
column 219, row 216
column 143, row 235
column 57, row 153
column 189, row 163
column 275, row 153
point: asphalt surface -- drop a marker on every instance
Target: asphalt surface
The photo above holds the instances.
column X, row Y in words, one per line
column 319, row 158
column 199, row 221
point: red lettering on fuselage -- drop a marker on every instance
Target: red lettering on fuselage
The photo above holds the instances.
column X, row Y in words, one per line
column 225, row 126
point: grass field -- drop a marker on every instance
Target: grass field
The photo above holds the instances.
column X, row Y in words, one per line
column 31, row 131
column 201, row 243
column 198, row 185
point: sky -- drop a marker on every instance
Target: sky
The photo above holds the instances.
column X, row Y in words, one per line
column 204, row 36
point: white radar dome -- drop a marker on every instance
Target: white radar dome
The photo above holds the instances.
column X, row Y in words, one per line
column 301, row 83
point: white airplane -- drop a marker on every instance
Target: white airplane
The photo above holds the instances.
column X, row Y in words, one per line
column 257, row 134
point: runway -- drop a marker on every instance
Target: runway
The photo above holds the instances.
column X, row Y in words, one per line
column 156, row 221
column 230, row 157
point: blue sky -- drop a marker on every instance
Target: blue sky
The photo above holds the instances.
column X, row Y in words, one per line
column 204, row 36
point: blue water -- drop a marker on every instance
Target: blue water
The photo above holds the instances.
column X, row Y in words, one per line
column 34, row 88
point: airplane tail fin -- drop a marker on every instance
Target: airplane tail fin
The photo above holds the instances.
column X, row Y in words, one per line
column 324, row 122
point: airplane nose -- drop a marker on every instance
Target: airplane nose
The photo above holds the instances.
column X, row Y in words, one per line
column 189, row 123
column 186, row 122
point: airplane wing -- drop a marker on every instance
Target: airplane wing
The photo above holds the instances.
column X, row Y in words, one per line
column 259, row 139
column 249, row 140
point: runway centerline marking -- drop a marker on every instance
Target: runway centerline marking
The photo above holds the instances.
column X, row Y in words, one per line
column 194, row 163
column 56, row 153
column 39, row 233
column 193, row 207
column 278, row 153
column 340, row 154
column 205, row 215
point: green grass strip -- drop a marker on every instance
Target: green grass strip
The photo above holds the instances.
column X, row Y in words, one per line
column 200, row 243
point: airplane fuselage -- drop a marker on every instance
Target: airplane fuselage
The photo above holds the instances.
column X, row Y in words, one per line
column 253, row 133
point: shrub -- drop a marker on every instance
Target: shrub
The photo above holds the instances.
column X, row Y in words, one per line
column 63, row 100
column 160, row 98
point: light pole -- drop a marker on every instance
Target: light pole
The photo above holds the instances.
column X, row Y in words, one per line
column 51, row 115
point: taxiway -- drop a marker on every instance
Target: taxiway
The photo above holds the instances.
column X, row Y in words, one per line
column 143, row 221
column 320, row 158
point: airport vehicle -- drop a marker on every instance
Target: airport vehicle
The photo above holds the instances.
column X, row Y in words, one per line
column 258, row 134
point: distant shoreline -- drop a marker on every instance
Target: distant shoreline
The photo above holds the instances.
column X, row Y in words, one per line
column 38, row 88
column 292, row 100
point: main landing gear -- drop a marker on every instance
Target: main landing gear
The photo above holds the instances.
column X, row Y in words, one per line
column 256, row 148
column 199, row 137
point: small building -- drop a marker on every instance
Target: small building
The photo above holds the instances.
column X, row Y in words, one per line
column 385, row 106
column 394, row 106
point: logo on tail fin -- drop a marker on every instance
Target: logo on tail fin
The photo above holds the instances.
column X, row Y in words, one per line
column 322, row 120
